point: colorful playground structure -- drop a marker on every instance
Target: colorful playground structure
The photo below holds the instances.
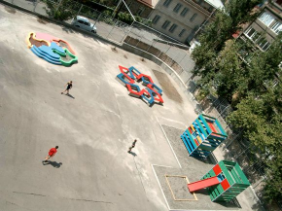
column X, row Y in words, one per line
column 203, row 136
column 151, row 94
column 224, row 181
column 51, row 49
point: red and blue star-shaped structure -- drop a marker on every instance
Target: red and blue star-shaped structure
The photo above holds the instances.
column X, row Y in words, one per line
column 151, row 93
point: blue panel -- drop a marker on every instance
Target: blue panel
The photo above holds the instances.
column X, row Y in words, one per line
column 205, row 123
column 121, row 77
column 192, row 140
column 57, row 48
column 133, row 69
column 221, row 129
column 157, row 88
column 203, row 137
column 150, row 101
column 202, row 129
column 184, row 141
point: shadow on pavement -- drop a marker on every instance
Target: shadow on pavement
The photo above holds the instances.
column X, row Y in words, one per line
column 132, row 153
column 53, row 163
column 69, row 95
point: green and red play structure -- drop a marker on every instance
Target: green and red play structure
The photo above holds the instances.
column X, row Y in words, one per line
column 203, row 136
column 224, row 181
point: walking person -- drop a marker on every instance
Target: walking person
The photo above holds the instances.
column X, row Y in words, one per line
column 132, row 146
column 51, row 153
column 69, row 86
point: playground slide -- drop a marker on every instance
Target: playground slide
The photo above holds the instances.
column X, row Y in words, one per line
column 194, row 186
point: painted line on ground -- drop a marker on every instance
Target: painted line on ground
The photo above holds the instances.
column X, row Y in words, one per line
column 160, row 185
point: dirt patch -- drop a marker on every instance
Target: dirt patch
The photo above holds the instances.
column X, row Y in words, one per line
column 125, row 56
column 10, row 10
column 167, row 87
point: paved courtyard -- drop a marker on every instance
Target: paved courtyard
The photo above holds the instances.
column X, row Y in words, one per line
column 92, row 169
column 93, row 128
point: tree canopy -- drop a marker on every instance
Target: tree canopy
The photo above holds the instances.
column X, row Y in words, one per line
column 251, row 81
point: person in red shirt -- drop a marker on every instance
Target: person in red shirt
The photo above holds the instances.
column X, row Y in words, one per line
column 51, row 153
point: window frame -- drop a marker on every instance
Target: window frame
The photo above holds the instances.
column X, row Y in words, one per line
column 172, row 28
column 166, row 24
column 167, row 3
column 193, row 17
column 156, row 19
column 182, row 32
column 177, row 8
column 184, row 11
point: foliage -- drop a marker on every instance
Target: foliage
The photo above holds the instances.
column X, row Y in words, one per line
column 251, row 81
column 61, row 11
column 125, row 17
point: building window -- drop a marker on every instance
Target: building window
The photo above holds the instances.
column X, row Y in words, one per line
column 252, row 34
column 269, row 20
column 181, row 33
column 156, row 19
column 165, row 25
column 263, row 44
column 200, row 2
column 266, row 18
column 167, row 3
column 255, row 36
column 140, row 11
column 172, row 28
column 177, row 8
column 276, row 26
column 193, row 17
column 184, row 11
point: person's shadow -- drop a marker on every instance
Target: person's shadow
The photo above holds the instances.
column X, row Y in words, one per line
column 52, row 163
column 133, row 153
column 69, row 95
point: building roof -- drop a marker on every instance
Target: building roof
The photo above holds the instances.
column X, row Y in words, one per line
column 149, row 3
column 217, row 4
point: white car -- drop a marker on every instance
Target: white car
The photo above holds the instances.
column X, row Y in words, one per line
column 84, row 23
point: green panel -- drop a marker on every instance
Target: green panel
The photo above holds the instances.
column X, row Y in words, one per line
column 204, row 147
column 226, row 173
column 241, row 174
column 235, row 176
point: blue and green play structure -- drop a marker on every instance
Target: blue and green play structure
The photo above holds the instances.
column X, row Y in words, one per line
column 203, row 136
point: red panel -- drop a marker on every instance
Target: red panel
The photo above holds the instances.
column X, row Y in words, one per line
column 212, row 127
column 159, row 98
column 202, row 184
column 190, row 130
column 217, row 170
column 225, row 184
column 131, row 90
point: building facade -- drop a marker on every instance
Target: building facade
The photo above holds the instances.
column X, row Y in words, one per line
column 266, row 27
column 180, row 19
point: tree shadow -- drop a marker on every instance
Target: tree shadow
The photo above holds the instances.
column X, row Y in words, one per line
column 52, row 163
